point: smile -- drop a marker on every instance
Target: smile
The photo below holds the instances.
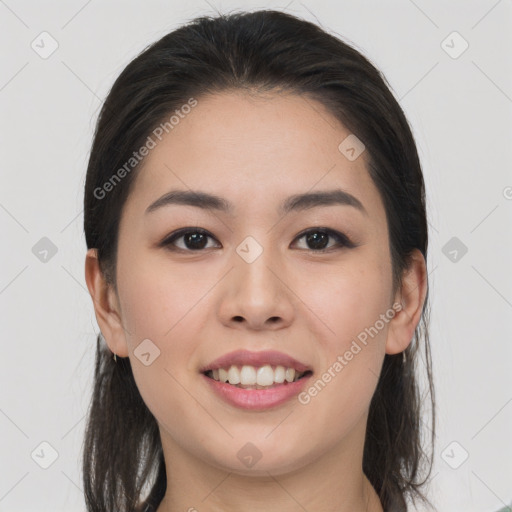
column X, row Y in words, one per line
column 251, row 377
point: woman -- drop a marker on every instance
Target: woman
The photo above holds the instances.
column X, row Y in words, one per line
column 257, row 240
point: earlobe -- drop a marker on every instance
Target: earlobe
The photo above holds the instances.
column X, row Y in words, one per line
column 411, row 297
column 106, row 306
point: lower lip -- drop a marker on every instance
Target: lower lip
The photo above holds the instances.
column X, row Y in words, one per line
column 257, row 399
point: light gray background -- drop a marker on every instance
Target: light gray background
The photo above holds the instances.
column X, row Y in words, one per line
column 460, row 111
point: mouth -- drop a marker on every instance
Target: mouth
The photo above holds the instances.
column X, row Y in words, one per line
column 254, row 377
column 256, row 388
column 256, row 381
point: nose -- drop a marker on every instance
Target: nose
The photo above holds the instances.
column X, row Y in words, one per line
column 256, row 295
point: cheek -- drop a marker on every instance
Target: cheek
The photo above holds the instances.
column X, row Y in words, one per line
column 350, row 299
column 352, row 305
column 165, row 307
column 157, row 298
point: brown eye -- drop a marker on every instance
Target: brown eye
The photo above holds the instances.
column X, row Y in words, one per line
column 193, row 240
column 317, row 239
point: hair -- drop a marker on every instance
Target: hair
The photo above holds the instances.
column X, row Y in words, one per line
column 261, row 51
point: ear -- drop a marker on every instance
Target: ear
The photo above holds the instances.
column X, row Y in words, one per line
column 106, row 305
column 409, row 298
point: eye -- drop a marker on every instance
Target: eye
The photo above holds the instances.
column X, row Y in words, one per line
column 194, row 239
column 318, row 239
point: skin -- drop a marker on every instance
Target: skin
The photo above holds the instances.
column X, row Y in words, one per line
column 195, row 306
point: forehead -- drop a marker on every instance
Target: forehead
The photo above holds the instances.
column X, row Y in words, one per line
column 253, row 148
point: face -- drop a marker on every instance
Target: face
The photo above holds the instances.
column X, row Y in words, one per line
column 306, row 281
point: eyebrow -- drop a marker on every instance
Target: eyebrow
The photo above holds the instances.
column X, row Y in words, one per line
column 296, row 202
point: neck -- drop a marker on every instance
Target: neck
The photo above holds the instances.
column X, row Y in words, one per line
column 334, row 482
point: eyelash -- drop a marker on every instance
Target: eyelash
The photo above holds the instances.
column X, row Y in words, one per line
column 342, row 240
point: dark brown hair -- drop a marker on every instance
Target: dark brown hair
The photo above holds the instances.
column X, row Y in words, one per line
column 260, row 51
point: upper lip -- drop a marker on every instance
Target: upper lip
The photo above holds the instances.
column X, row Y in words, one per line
column 261, row 358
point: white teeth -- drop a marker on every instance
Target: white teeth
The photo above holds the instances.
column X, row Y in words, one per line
column 248, row 375
column 265, row 376
column 289, row 374
column 234, row 375
column 279, row 374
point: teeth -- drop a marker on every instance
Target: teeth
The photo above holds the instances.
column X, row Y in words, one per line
column 252, row 377
column 289, row 374
column 233, row 375
column 223, row 375
column 265, row 376
column 279, row 374
column 247, row 376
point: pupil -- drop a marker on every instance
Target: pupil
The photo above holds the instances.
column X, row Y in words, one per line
column 317, row 240
column 193, row 238
column 313, row 238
